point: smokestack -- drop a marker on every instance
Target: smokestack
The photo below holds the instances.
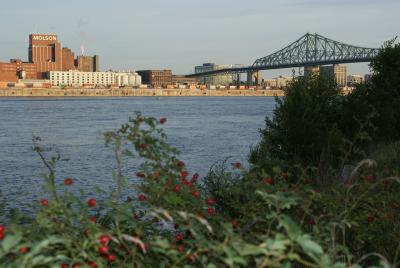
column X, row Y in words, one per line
column 82, row 49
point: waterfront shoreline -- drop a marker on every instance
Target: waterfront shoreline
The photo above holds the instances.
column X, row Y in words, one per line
column 78, row 92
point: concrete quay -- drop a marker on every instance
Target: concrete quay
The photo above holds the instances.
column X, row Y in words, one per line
column 77, row 92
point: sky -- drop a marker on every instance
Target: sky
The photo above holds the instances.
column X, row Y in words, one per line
column 180, row 34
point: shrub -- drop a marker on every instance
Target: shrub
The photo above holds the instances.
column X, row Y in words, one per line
column 163, row 224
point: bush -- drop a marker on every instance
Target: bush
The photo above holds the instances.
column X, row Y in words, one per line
column 167, row 223
column 309, row 128
column 315, row 126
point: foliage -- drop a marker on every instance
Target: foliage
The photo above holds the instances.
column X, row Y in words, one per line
column 349, row 219
column 383, row 93
column 316, row 126
column 310, row 128
column 168, row 223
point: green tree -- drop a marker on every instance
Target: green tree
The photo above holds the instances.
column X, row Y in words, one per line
column 383, row 93
column 305, row 127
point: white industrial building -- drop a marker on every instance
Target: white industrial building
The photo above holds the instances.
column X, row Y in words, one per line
column 79, row 79
column 128, row 79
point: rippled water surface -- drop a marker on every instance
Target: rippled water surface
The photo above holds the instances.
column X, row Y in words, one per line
column 205, row 130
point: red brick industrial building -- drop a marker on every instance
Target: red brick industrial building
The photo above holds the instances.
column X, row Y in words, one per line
column 45, row 54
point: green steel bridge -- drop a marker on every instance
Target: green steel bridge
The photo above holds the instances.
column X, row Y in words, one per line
column 309, row 50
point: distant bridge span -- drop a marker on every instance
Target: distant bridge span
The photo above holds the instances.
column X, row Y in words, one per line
column 309, row 50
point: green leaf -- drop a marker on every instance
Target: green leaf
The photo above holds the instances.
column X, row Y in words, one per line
column 11, row 241
column 309, row 246
column 293, row 230
column 249, row 250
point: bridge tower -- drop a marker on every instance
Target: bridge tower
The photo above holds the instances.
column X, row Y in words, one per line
column 254, row 78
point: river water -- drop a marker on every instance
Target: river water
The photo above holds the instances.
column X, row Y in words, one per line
column 205, row 130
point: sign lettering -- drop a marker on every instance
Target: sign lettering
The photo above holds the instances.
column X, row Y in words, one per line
column 44, row 38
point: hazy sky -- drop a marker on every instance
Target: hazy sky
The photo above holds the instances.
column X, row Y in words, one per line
column 179, row 34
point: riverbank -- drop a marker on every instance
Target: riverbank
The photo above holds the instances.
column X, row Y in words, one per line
column 77, row 92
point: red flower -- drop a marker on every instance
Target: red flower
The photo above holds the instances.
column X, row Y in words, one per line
column 140, row 175
column 2, row 229
column 163, row 120
column 311, row 222
column 180, row 164
column 195, row 177
column 196, row 193
column 92, row 202
column 104, row 239
column 184, row 181
column 142, row 198
column 268, row 181
column 210, row 201
column 211, row 211
column 370, row 218
column 64, row 265
column 237, row 165
column 178, row 237
column 24, row 250
column 184, row 174
column 93, row 219
column 103, row 250
column 68, row 181
column 177, row 188
column 234, row 223
column 92, row 264
column 44, row 202
column 190, row 258
column 111, row 258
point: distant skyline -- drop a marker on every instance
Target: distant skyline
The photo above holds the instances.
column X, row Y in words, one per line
column 179, row 34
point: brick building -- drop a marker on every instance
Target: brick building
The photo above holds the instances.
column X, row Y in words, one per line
column 87, row 63
column 156, row 78
column 45, row 54
column 68, row 59
column 8, row 72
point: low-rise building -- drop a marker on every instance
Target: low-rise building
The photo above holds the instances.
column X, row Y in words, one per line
column 156, row 78
column 278, row 82
column 79, row 79
column 128, row 79
column 76, row 78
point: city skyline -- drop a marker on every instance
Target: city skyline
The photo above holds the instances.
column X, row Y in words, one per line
column 179, row 35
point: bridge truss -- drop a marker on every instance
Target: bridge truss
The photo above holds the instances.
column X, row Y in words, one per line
column 309, row 50
column 315, row 49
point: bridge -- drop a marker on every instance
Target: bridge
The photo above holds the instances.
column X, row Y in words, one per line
column 309, row 50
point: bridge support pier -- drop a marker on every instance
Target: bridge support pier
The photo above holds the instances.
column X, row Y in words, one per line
column 254, row 78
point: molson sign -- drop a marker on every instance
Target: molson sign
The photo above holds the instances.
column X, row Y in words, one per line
column 44, row 38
